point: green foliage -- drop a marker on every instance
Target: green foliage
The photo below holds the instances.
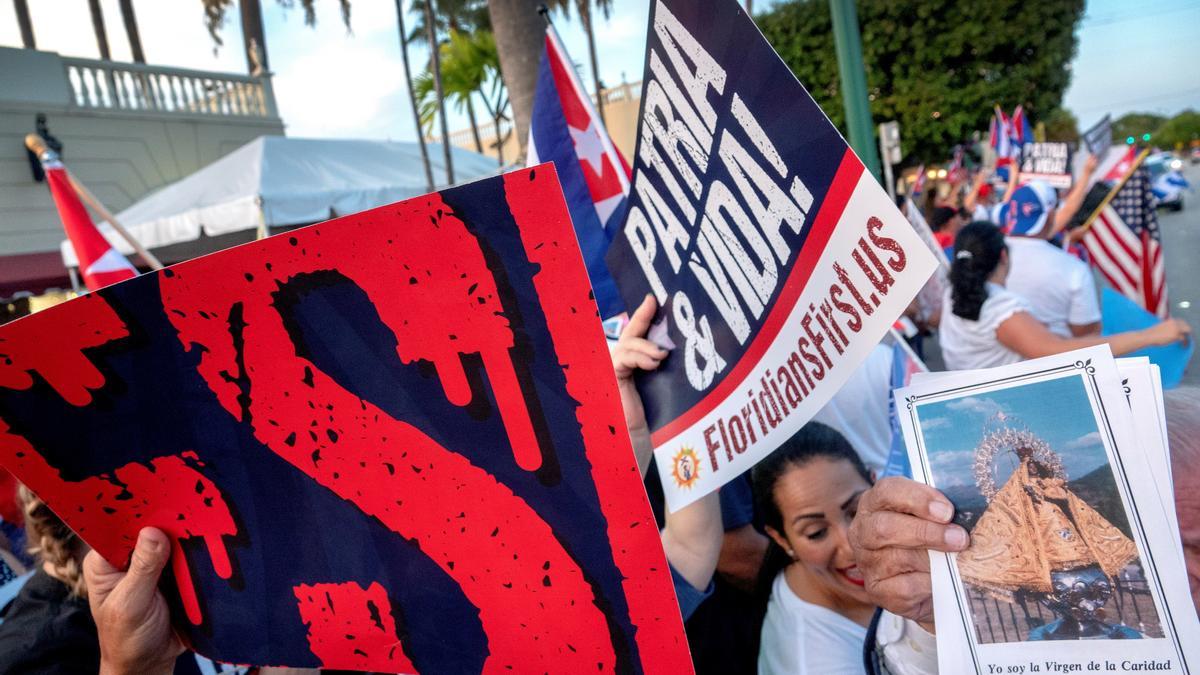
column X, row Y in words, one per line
column 1061, row 126
column 215, row 10
column 470, row 65
column 1181, row 129
column 1135, row 124
column 581, row 6
column 937, row 68
column 449, row 15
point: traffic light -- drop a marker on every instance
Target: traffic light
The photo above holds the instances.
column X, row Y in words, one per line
column 1129, row 140
column 1145, row 137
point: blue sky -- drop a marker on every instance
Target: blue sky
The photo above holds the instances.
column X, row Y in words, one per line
column 1056, row 410
column 1132, row 56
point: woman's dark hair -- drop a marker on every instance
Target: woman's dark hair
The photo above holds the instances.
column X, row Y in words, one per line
column 813, row 441
column 976, row 254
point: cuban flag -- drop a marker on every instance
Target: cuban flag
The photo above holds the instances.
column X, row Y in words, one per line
column 100, row 263
column 565, row 129
column 1021, row 130
column 1000, row 136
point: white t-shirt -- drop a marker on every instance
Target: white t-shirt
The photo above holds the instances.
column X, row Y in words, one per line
column 859, row 410
column 800, row 638
column 1058, row 287
column 904, row 647
column 966, row 344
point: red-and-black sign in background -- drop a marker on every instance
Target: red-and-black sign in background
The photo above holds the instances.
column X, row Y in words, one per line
column 387, row 442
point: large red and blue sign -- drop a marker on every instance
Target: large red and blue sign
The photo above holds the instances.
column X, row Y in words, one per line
column 778, row 263
column 388, row 442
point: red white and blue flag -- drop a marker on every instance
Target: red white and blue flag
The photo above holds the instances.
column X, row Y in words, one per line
column 1000, row 136
column 1124, row 244
column 565, row 129
column 1021, row 130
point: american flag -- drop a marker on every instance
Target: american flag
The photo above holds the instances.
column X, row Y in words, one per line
column 1124, row 244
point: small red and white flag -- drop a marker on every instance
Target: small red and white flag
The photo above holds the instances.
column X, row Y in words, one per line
column 1122, row 167
column 100, row 263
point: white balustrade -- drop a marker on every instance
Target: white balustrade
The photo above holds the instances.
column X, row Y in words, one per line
column 110, row 85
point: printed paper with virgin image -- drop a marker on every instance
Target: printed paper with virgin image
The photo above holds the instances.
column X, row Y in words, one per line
column 1074, row 560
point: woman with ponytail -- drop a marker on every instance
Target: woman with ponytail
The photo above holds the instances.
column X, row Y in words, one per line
column 817, row 616
column 989, row 325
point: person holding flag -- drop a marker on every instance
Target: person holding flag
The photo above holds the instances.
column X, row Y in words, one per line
column 566, row 129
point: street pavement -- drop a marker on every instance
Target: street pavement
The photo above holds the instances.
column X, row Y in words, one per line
column 1181, row 246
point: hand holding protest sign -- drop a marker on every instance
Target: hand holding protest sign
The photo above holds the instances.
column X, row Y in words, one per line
column 1050, row 162
column 388, row 442
column 777, row 261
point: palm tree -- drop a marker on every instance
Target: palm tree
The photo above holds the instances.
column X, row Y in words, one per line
column 252, row 29
column 519, row 34
column 470, row 69
column 436, row 68
column 412, row 96
column 22, row 11
column 131, row 31
column 451, row 15
column 98, row 27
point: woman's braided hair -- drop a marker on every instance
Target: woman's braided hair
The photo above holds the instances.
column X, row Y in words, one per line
column 53, row 543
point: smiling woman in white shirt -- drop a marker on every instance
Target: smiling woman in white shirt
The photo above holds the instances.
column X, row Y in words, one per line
column 988, row 325
column 817, row 616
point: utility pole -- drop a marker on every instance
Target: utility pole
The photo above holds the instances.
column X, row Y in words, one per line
column 854, row 82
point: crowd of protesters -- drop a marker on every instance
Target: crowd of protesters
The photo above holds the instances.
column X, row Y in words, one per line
column 806, row 565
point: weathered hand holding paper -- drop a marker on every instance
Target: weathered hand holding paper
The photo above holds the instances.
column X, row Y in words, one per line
column 1074, row 563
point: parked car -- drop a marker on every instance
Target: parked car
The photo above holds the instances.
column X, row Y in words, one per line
column 1166, row 182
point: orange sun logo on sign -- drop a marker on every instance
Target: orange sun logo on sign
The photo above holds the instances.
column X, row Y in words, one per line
column 685, row 467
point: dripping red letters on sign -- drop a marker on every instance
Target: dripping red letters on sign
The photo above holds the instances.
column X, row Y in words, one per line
column 542, row 533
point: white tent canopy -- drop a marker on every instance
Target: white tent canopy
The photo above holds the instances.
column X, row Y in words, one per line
column 277, row 181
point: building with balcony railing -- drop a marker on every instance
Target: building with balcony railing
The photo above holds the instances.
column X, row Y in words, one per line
column 126, row 129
